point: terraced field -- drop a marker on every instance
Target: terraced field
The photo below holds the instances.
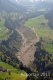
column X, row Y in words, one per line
column 40, row 26
column 4, row 32
column 15, row 74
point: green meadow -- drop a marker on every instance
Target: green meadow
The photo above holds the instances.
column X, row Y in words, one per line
column 40, row 27
column 15, row 73
column 7, row 66
column 13, row 76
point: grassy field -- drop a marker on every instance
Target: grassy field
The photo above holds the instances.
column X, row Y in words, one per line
column 15, row 74
column 7, row 66
column 4, row 32
column 40, row 26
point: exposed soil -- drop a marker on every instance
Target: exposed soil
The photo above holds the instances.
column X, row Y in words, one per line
column 26, row 53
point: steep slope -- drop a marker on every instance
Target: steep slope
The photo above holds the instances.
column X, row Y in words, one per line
column 26, row 53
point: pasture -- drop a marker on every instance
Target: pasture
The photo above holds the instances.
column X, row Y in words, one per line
column 40, row 27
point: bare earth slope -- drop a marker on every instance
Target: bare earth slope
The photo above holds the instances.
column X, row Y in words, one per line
column 26, row 53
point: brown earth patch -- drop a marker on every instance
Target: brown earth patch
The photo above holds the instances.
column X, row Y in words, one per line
column 26, row 53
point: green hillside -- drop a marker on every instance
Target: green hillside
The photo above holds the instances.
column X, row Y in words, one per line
column 14, row 73
column 7, row 66
column 4, row 32
column 40, row 26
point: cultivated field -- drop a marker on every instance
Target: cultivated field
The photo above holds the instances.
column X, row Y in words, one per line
column 40, row 26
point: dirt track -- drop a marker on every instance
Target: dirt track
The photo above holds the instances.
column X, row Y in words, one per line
column 26, row 54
